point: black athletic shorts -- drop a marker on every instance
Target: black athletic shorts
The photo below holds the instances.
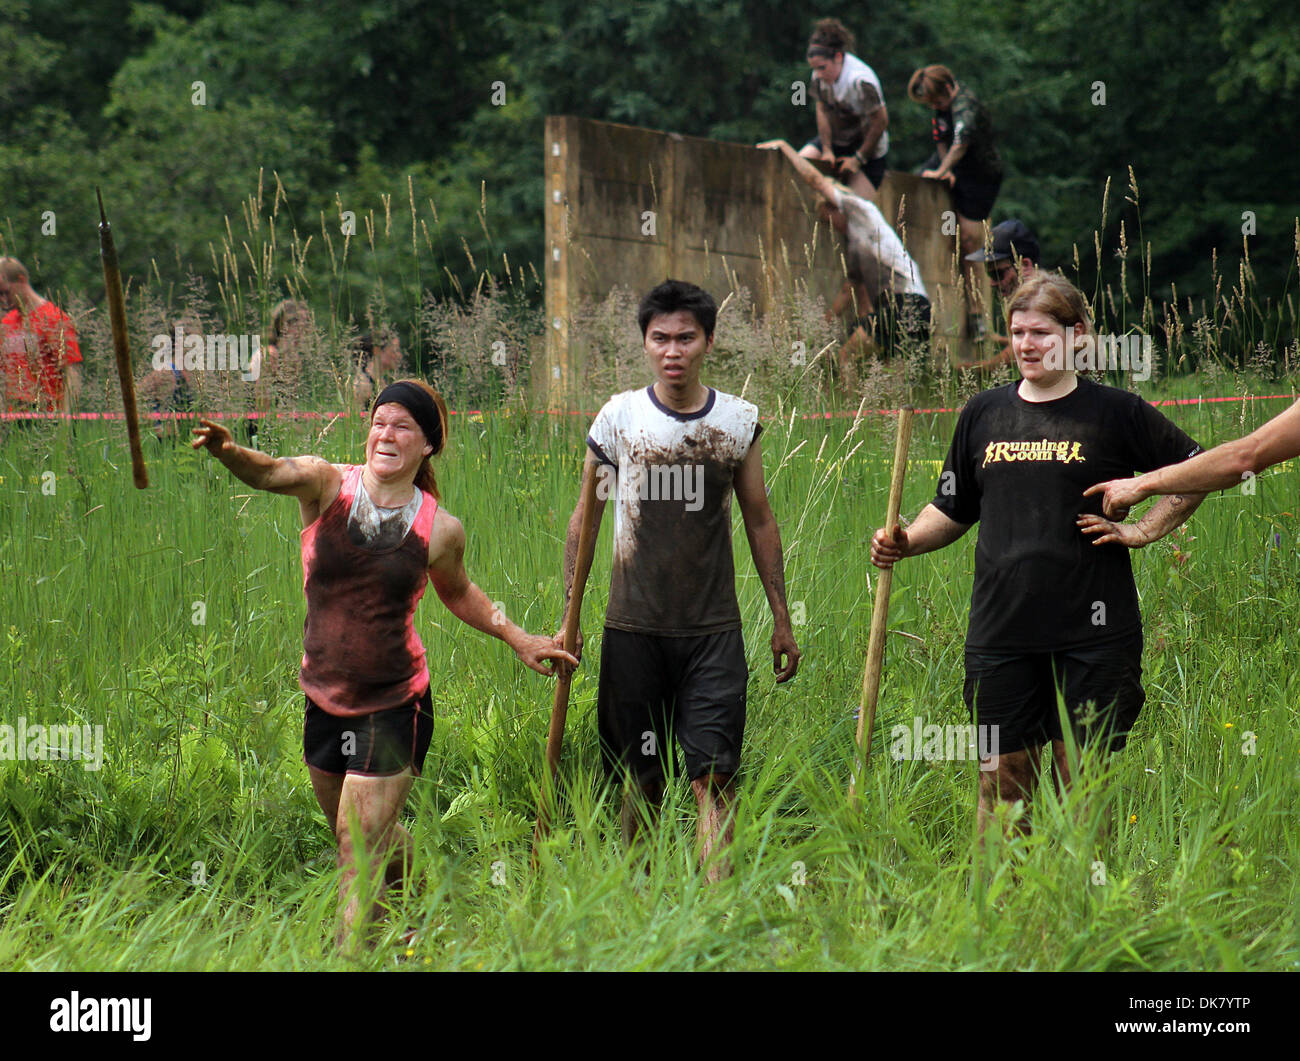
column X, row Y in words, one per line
column 375, row 745
column 973, row 199
column 1101, row 686
column 874, row 167
column 898, row 318
column 654, row 689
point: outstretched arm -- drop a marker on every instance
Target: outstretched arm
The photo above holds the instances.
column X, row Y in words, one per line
column 765, row 546
column 470, row 604
column 306, row 478
column 1217, row 469
column 810, row 174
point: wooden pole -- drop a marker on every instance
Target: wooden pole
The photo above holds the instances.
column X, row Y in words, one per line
column 121, row 347
column 572, row 622
column 880, row 611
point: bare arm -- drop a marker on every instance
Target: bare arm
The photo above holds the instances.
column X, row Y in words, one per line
column 948, row 157
column 1164, row 516
column 765, row 547
column 810, row 174
column 302, row 477
column 471, row 605
column 604, row 475
column 1216, row 469
column 873, row 128
column 843, row 299
column 313, row 481
column 932, row 530
column 824, row 131
column 1004, row 356
column 575, row 523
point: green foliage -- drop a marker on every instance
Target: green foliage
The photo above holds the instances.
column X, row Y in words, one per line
column 346, row 103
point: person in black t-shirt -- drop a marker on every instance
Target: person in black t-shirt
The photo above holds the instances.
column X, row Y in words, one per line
column 1050, row 608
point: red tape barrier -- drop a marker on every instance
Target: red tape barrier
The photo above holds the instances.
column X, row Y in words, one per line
column 295, row 415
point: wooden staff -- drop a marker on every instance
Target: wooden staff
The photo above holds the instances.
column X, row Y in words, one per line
column 880, row 611
column 572, row 621
column 121, row 347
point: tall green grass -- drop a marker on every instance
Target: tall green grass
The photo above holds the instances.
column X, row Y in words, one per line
column 198, row 845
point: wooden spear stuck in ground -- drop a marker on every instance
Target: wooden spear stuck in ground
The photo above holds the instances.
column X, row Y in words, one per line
column 880, row 611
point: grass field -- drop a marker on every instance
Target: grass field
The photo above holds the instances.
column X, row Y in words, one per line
column 173, row 619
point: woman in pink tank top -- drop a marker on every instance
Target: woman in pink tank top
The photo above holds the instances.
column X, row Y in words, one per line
column 373, row 536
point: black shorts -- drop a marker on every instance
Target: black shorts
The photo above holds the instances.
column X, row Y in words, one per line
column 1016, row 692
column 874, row 168
column 376, row 745
column 973, row 199
column 655, row 688
column 898, row 318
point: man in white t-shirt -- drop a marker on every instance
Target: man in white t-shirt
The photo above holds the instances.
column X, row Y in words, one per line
column 883, row 286
column 672, row 664
column 852, row 120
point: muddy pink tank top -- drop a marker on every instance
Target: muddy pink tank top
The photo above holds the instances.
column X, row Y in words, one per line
column 361, row 653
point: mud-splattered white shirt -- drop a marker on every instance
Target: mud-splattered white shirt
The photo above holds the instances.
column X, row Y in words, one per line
column 670, row 476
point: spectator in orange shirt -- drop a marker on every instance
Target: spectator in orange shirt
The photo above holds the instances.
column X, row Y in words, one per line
column 38, row 346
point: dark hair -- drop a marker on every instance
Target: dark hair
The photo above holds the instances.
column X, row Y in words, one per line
column 283, row 315
column 365, row 343
column 673, row 296
column 829, row 36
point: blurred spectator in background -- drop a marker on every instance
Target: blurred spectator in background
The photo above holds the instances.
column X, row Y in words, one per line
column 170, row 389
column 1012, row 259
column 379, row 353
column 38, row 347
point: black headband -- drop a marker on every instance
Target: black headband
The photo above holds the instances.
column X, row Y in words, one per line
column 822, row 51
column 417, row 402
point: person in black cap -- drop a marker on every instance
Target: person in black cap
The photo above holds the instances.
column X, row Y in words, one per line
column 1011, row 259
column 374, row 535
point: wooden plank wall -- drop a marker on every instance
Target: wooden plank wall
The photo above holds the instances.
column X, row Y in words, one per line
column 627, row 206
